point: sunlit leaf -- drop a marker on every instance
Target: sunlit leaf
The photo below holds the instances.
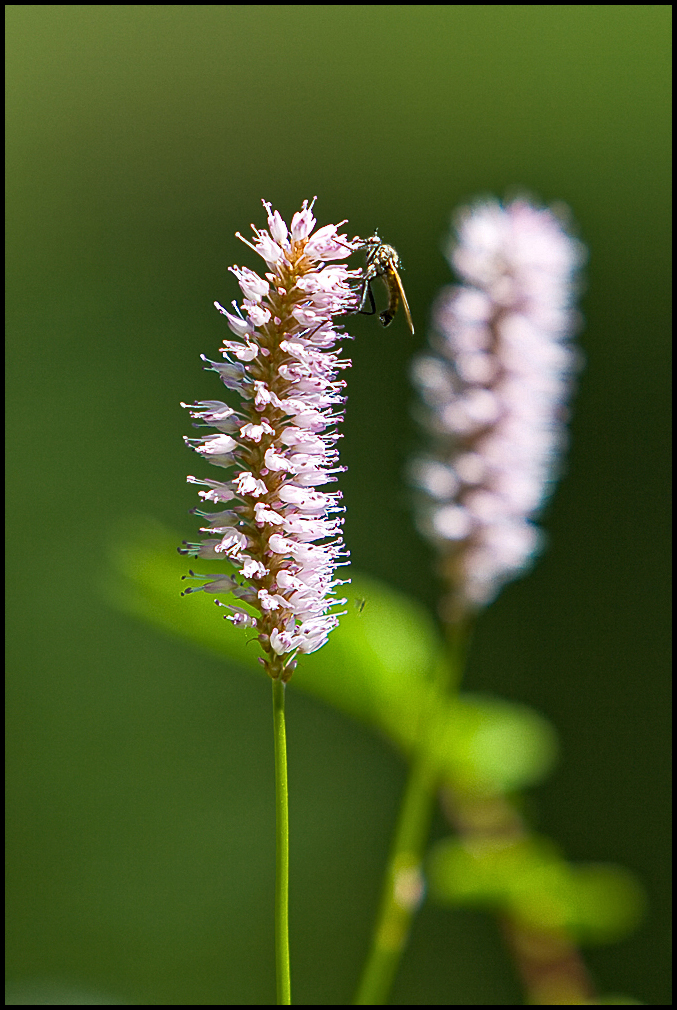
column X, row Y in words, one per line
column 490, row 745
column 378, row 665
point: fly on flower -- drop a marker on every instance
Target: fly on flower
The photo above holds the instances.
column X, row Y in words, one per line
column 383, row 261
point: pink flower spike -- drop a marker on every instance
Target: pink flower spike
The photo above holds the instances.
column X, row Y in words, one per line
column 253, row 287
column 220, row 492
column 240, row 327
column 267, row 248
column 303, row 222
column 495, row 388
column 241, row 619
column 326, row 244
column 252, row 569
column 282, row 536
column 276, row 225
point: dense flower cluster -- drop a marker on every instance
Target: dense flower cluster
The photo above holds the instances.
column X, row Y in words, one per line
column 280, row 533
column 495, row 389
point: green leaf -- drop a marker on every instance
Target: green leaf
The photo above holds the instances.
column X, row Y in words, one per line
column 490, row 746
column 484, row 871
column 529, row 879
column 379, row 665
column 606, row 902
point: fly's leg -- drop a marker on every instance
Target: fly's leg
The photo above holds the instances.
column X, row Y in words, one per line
column 367, row 294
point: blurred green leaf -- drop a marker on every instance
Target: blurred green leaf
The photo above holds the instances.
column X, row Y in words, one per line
column 485, row 872
column 531, row 880
column 492, row 746
column 378, row 665
column 607, row 902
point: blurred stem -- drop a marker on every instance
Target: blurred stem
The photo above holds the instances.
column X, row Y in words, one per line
column 551, row 968
column 404, row 885
column 281, row 848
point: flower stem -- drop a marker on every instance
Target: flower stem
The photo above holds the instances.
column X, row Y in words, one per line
column 404, row 883
column 281, row 848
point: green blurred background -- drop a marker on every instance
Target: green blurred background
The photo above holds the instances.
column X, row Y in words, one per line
column 140, row 774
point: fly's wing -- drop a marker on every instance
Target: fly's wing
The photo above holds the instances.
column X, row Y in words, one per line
column 400, row 288
column 388, row 314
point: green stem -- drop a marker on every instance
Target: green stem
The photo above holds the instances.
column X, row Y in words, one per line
column 404, row 884
column 281, row 849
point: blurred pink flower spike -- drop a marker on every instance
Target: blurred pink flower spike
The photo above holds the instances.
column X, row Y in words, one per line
column 495, row 389
column 280, row 533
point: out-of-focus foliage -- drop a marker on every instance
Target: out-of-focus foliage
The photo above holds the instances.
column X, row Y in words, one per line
column 380, row 666
column 492, row 746
column 529, row 879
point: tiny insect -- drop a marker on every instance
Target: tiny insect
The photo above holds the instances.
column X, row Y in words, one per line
column 360, row 605
column 383, row 261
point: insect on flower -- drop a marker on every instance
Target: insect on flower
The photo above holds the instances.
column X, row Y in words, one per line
column 383, row 261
